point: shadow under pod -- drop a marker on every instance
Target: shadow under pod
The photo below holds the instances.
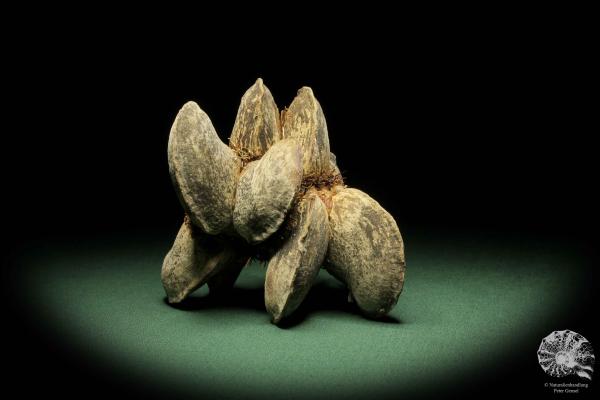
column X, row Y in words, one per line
column 325, row 297
column 322, row 297
column 242, row 298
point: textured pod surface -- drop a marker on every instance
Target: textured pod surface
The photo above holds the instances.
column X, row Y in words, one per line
column 232, row 264
column 335, row 170
column 291, row 272
column 257, row 125
column 305, row 121
column 266, row 190
column 203, row 169
column 194, row 259
column 366, row 251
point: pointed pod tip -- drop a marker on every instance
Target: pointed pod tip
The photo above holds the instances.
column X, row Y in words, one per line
column 175, row 299
column 259, row 84
column 258, row 88
column 190, row 108
column 305, row 91
column 190, row 105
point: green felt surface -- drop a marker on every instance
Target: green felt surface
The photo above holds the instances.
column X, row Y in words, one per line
column 465, row 304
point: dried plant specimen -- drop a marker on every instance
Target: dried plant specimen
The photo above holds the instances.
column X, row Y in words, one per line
column 197, row 258
column 304, row 120
column 366, row 251
column 203, row 169
column 257, row 125
column 276, row 194
column 294, row 267
column 266, row 190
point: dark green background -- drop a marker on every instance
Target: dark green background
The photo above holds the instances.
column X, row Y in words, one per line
column 469, row 305
column 476, row 134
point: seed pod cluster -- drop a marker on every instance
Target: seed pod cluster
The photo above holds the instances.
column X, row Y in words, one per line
column 275, row 194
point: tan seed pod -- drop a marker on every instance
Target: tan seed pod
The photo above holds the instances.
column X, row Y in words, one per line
column 203, row 169
column 225, row 278
column 335, row 171
column 304, row 119
column 257, row 125
column 292, row 270
column 366, row 251
column 194, row 259
column 266, row 190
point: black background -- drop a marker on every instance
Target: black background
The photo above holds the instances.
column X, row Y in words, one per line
column 453, row 126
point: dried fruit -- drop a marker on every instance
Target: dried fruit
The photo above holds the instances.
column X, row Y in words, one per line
column 195, row 259
column 305, row 121
column 366, row 251
column 203, row 169
column 294, row 267
column 266, row 190
column 257, row 124
column 232, row 264
column 276, row 194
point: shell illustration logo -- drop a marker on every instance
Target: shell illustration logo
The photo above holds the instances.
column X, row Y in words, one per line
column 564, row 353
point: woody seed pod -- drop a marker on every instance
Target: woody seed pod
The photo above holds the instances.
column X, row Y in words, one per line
column 366, row 251
column 203, row 169
column 305, row 121
column 266, row 190
column 196, row 258
column 292, row 270
column 257, row 124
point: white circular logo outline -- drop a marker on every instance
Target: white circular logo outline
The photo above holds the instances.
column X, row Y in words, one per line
column 564, row 353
